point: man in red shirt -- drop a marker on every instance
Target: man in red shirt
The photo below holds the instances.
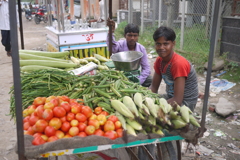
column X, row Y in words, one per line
column 177, row 72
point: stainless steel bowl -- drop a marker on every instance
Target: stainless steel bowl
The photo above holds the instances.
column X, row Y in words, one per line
column 127, row 60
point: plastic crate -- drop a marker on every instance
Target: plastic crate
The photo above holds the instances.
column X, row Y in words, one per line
column 132, row 76
column 110, row 64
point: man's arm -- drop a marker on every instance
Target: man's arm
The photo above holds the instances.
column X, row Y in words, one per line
column 155, row 82
column 179, row 85
column 115, row 45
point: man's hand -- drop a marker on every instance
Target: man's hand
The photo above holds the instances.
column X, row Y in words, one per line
column 111, row 23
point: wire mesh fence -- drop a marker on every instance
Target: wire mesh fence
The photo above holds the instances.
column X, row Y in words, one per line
column 191, row 19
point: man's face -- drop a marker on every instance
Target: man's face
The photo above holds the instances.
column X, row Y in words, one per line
column 163, row 47
column 131, row 38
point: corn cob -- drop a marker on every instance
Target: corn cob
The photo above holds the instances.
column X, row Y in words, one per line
column 74, row 60
column 130, row 130
column 121, row 108
column 101, row 58
column 165, row 106
column 134, row 124
column 174, row 115
column 151, row 106
column 127, row 101
column 138, row 99
column 159, row 131
column 145, row 108
column 184, row 110
column 178, row 123
column 193, row 121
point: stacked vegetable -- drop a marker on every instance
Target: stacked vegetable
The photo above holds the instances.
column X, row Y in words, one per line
column 51, row 118
column 137, row 108
column 31, row 60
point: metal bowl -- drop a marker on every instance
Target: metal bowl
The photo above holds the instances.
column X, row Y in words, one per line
column 127, row 60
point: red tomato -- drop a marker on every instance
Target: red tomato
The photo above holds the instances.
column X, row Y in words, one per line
column 59, row 112
column 98, row 110
column 87, row 111
column 47, row 114
column 112, row 118
column 89, row 130
column 26, row 125
column 55, row 123
column 76, row 108
column 39, row 101
column 50, row 131
column 94, row 123
column 39, row 111
column 45, row 137
column 52, row 138
column 73, row 101
column 111, row 134
column 73, row 131
column 82, row 134
column 33, row 119
column 48, row 99
column 67, row 136
column 38, row 140
column 93, row 116
column 63, row 119
column 102, row 119
column 37, row 134
column 119, row 132
column 59, row 134
column 41, row 125
column 31, row 108
column 55, row 102
column 30, row 131
column 48, row 105
column 65, row 126
column 81, row 117
column 26, row 119
column 82, row 126
column 74, row 123
column 70, row 116
column 99, row 132
column 66, row 106
column 64, row 98
column 118, row 125
column 104, row 113
column 109, row 126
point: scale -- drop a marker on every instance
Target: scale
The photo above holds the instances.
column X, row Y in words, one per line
column 131, row 75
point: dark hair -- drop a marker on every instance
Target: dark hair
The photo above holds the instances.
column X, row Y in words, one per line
column 131, row 28
column 165, row 32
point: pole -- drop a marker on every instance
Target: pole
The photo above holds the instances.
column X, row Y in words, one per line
column 110, row 28
column 160, row 13
column 142, row 16
column 210, row 61
column 20, row 23
column 16, row 79
column 182, row 24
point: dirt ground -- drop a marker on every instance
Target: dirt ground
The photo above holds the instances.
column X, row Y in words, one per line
column 223, row 146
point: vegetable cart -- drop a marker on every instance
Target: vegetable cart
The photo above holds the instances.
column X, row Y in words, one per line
column 22, row 147
column 82, row 37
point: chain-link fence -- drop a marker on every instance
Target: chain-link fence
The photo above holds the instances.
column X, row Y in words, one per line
column 191, row 19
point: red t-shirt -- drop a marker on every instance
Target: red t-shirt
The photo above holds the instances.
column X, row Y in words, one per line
column 180, row 67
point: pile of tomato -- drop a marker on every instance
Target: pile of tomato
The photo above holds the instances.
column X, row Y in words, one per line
column 55, row 117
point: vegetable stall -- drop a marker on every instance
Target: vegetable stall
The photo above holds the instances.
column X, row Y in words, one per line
column 81, row 36
column 38, row 94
